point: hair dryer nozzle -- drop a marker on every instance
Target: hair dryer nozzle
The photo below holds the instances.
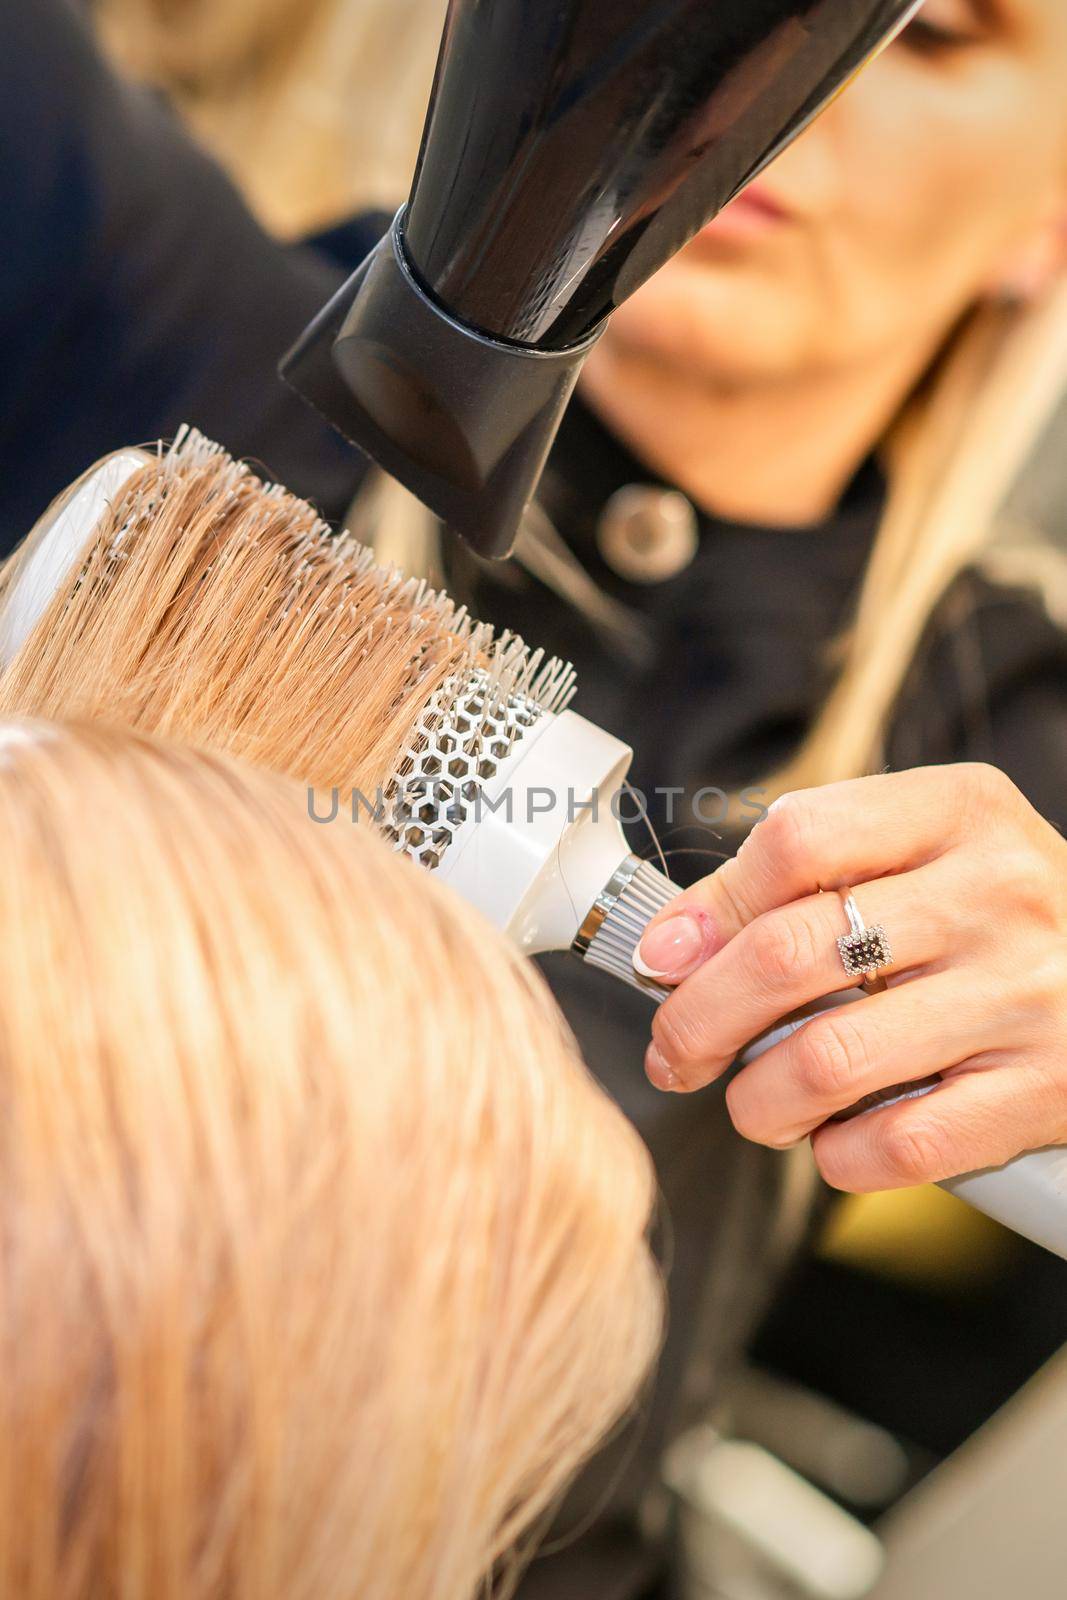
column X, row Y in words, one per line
column 463, row 421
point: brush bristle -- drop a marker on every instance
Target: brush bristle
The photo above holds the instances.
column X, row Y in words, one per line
column 327, row 609
column 327, row 567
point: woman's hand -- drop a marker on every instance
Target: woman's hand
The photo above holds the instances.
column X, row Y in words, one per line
column 970, row 885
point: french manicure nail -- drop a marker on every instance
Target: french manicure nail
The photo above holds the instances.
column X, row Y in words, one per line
column 659, row 1074
column 673, row 949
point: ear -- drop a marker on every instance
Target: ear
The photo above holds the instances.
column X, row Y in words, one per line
column 1036, row 262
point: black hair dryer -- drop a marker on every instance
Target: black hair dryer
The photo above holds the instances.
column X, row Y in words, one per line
column 571, row 148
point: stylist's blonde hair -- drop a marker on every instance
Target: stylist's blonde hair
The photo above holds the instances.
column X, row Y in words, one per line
column 956, row 456
column 323, row 1258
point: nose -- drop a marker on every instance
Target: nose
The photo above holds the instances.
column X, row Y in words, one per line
column 807, row 178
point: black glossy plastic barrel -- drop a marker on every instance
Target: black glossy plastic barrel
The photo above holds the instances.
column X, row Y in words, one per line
column 573, row 146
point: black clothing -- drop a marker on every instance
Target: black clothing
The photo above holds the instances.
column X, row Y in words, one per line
column 136, row 291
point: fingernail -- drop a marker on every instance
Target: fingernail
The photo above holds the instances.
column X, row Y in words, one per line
column 673, row 949
column 659, row 1074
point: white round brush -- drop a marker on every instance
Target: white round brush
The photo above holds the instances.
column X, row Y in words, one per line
column 512, row 798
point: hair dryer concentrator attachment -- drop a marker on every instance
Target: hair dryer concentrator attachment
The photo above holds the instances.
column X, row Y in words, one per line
column 570, row 150
column 463, row 420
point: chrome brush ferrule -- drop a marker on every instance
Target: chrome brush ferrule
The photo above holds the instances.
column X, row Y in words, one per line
column 616, row 924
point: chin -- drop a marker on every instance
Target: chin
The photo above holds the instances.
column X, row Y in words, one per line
column 730, row 323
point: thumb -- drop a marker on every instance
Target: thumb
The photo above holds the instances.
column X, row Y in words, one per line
column 692, row 929
column 770, row 869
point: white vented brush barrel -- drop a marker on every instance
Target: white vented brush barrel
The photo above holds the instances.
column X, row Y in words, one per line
column 543, row 839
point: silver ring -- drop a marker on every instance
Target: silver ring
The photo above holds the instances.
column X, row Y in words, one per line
column 865, row 952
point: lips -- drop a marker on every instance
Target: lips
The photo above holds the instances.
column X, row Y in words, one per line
column 754, row 213
column 758, row 198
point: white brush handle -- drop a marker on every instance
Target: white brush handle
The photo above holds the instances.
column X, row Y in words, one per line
column 542, row 838
column 1029, row 1195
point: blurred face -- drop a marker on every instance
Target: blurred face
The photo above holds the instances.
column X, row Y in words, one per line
column 939, row 177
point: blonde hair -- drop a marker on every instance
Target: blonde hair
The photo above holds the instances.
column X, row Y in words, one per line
column 324, row 1260
column 315, row 106
column 208, row 607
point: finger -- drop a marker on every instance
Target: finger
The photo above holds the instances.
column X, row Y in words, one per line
column 912, row 1031
column 835, row 837
column 987, row 1112
column 789, row 957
